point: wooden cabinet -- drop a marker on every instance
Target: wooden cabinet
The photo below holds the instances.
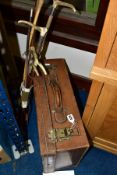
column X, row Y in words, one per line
column 100, row 114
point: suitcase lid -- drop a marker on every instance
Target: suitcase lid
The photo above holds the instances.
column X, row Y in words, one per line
column 54, row 135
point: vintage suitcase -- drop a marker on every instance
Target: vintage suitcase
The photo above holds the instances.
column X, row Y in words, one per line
column 62, row 137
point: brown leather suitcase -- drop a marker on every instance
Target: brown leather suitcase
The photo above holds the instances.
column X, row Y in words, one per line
column 63, row 141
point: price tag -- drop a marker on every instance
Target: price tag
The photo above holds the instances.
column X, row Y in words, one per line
column 71, row 119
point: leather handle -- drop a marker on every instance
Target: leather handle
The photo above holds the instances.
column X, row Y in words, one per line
column 57, row 95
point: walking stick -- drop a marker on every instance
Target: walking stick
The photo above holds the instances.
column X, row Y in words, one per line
column 27, row 83
column 36, row 53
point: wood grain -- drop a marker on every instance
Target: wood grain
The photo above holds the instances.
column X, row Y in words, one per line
column 108, row 129
column 107, row 36
column 102, row 118
column 101, row 109
column 104, row 75
column 91, row 101
column 78, row 143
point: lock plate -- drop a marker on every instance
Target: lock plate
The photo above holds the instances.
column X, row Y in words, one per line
column 60, row 134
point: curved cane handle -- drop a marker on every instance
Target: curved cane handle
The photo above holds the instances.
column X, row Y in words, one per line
column 57, row 96
column 64, row 4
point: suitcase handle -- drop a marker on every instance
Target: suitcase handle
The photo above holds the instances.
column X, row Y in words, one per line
column 57, row 96
column 59, row 112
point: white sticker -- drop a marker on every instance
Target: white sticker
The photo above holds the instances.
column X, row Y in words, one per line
column 70, row 172
column 71, row 118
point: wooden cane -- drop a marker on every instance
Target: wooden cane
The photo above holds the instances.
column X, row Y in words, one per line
column 39, row 5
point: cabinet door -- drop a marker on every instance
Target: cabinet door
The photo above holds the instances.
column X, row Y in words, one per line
column 100, row 114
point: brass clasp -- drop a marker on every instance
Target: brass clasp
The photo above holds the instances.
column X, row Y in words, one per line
column 60, row 134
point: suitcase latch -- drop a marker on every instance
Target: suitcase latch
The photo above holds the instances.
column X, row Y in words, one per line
column 60, row 134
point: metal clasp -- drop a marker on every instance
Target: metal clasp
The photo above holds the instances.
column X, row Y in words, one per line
column 60, row 134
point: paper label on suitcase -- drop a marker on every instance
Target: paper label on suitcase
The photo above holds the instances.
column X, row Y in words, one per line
column 70, row 172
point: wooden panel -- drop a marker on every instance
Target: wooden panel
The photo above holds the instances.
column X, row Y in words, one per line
column 102, row 125
column 105, row 58
column 102, row 107
column 104, row 75
column 43, row 116
column 91, row 101
column 108, row 129
column 102, row 56
column 112, row 63
column 107, row 36
column 105, row 145
column 45, row 105
column 106, row 137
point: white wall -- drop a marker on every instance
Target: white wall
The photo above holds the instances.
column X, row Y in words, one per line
column 22, row 42
column 79, row 62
